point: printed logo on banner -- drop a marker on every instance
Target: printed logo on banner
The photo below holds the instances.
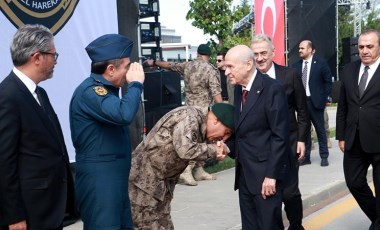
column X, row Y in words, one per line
column 51, row 13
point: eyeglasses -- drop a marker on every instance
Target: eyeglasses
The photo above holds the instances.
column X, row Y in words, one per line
column 55, row 55
column 219, row 60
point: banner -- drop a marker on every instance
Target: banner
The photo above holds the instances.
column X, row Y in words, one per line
column 270, row 20
column 75, row 24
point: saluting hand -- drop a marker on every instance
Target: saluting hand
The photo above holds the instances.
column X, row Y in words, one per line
column 135, row 73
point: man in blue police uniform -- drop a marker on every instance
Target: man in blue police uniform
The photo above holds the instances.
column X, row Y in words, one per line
column 99, row 121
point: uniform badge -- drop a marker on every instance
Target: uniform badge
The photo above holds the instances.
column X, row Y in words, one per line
column 100, row 90
column 194, row 137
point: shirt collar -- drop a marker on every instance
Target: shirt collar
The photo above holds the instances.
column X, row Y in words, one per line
column 271, row 72
column 372, row 67
column 249, row 85
column 26, row 80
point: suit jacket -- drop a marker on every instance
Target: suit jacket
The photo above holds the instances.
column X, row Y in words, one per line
column 356, row 113
column 261, row 145
column 320, row 81
column 35, row 179
column 295, row 93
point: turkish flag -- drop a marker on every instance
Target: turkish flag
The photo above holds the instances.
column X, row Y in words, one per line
column 270, row 20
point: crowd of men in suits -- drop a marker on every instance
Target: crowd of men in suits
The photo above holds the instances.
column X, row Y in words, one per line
column 267, row 132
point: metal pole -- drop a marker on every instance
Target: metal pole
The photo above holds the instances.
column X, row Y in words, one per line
column 337, row 40
column 286, row 32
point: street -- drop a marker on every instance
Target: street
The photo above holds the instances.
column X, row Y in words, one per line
column 342, row 214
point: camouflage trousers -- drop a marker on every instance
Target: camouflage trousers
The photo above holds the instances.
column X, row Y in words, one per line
column 148, row 213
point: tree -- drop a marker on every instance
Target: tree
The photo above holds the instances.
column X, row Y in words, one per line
column 216, row 18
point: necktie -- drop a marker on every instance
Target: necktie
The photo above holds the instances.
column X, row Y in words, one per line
column 304, row 75
column 40, row 99
column 363, row 81
column 45, row 105
column 244, row 96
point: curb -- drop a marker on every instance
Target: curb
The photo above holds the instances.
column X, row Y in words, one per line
column 327, row 194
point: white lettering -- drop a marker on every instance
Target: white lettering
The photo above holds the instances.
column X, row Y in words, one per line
column 25, row 2
column 43, row 5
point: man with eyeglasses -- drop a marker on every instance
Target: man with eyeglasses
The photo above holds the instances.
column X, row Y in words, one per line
column 36, row 184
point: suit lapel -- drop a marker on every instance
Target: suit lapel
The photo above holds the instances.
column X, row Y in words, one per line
column 372, row 82
column 32, row 101
column 312, row 68
column 254, row 93
column 278, row 71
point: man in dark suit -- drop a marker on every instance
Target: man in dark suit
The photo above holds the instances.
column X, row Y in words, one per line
column 36, row 185
column 357, row 124
column 261, row 144
column 263, row 50
column 317, row 81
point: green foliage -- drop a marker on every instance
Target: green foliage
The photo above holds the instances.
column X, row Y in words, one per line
column 371, row 20
column 216, row 18
column 227, row 163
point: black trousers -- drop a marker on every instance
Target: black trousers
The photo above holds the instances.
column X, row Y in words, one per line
column 257, row 213
column 355, row 164
column 318, row 120
column 291, row 196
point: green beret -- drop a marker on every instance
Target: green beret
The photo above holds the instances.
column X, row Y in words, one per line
column 204, row 49
column 225, row 114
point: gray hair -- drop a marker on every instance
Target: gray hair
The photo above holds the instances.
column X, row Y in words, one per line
column 28, row 40
column 369, row 31
column 263, row 38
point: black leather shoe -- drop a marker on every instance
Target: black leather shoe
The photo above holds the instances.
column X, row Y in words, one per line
column 324, row 162
column 305, row 162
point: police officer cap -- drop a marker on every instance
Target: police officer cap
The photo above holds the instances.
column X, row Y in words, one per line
column 109, row 47
column 204, row 49
column 225, row 114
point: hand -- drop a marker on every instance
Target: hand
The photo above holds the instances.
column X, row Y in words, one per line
column 300, row 150
column 221, row 150
column 18, row 226
column 135, row 73
column 268, row 188
column 148, row 62
column 341, row 145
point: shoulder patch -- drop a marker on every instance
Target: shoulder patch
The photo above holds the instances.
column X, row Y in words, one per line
column 100, row 90
column 194, row 137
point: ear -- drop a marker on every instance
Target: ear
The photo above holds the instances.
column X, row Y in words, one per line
column 110, row 69
column 250, row 65
column 36, row 58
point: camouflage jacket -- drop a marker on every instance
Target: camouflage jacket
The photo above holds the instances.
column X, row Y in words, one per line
column 177, row 138
column 202, row 81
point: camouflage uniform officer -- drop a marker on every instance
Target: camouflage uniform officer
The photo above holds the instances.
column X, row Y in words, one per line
column 202, row 88
column 99, row 121
column 177, row 138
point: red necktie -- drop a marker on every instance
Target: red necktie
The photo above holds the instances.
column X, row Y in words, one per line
column 244, row 96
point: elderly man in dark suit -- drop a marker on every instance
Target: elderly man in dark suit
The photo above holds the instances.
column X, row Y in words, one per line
column 317, row 81
column 36, row 185
column 263, row 50
column 261, row 144
column 357, row 124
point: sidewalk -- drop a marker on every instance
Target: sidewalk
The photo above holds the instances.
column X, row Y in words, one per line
column 214, row 205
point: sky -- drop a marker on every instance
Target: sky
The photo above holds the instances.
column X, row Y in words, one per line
column 173, row 16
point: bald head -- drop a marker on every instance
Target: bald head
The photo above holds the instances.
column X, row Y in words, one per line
column 240, row 65
column 305, row 49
